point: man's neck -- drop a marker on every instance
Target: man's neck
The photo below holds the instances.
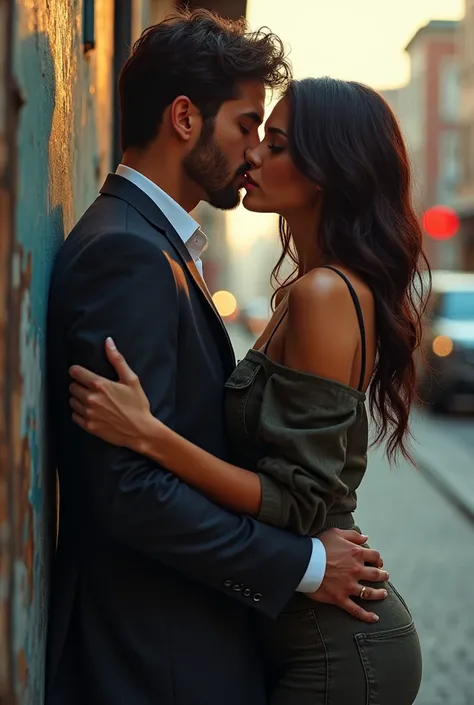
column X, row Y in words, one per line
column 166, row 175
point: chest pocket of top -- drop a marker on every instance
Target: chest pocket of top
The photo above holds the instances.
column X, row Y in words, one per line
column 238, row 390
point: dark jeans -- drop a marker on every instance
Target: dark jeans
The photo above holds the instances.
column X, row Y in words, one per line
column 318, row 655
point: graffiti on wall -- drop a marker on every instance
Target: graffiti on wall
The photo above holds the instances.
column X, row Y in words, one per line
column 59, row 151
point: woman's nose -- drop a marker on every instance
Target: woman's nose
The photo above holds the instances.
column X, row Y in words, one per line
column 253, row 157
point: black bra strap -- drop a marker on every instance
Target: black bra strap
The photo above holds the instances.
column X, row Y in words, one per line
column 274, row 331
column 360, row 319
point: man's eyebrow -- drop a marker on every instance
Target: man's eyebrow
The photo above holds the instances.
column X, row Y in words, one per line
column 253, row 115
column 277, row 131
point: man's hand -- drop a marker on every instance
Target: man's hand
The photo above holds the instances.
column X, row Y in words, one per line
column 345, row 567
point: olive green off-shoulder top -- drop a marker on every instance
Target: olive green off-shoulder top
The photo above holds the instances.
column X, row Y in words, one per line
column 306, row 437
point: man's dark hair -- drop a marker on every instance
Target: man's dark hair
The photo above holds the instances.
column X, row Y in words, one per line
column 197, row 54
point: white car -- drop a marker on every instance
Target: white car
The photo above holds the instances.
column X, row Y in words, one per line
column 446, row 376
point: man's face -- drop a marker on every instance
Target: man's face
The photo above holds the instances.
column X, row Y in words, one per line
column 217, row 161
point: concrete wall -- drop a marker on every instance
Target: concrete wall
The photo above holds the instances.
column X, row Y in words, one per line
column 6, row 207
column 58, row 135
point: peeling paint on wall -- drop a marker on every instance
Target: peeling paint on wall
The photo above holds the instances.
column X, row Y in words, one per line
column 7, row 118
column 59, row 147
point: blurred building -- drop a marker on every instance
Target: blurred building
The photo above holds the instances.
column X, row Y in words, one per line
column 428, row 110
column 432, row 125
column 395, row 97
column 156, row 10
column 465, row 200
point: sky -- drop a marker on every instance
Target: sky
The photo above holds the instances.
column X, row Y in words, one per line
column 360, row 40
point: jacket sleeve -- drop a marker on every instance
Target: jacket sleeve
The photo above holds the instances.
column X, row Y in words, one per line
column 128, row 288
column 303, row 426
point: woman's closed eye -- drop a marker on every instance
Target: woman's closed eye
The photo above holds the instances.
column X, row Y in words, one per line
column 275, row 148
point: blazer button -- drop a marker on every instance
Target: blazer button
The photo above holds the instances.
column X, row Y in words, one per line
column 247, row 592
column 237, row 587
column 228, row 583
column 257, row 597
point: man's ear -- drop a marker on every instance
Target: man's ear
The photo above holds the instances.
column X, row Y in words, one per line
column 185, row 118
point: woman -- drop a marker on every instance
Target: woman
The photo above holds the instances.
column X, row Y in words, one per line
column 334, row 166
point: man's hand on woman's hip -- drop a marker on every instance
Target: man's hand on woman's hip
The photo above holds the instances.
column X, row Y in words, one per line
column 348, row 563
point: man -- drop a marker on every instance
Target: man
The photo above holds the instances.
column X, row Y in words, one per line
column 153, row 582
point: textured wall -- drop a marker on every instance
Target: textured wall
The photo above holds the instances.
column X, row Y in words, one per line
column 6, row 208
column 61, row 130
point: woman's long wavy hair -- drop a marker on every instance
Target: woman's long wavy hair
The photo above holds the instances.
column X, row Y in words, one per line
column 344, row 136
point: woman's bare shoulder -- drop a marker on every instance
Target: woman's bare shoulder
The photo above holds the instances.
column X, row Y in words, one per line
column 323, row 332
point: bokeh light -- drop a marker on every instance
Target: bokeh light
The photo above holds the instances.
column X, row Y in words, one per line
column 442, row 346
column 441, row 222
column 225, row 302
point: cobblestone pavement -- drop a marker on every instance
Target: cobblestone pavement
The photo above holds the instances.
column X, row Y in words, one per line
column 428, row 549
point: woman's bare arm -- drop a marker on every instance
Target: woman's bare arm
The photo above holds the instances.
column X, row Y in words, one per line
column 119, row 413
column 232, row 487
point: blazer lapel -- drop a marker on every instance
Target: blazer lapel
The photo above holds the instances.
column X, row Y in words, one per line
column 120, row 187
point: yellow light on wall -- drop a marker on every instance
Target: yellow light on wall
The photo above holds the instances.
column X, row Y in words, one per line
column 442, row 346
column 225, row 302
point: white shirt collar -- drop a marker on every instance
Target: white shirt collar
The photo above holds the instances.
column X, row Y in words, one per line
column 181, row 221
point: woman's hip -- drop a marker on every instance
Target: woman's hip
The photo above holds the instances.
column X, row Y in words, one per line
column 316, row 654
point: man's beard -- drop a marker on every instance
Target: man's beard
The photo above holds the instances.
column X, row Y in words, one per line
column 208, row 166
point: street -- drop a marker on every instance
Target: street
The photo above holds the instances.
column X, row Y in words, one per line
column 418, row 519
column 427, row 546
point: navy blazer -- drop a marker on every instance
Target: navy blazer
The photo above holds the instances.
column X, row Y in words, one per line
column 152, row 582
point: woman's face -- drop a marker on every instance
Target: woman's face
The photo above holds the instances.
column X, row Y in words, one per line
column 274, row 184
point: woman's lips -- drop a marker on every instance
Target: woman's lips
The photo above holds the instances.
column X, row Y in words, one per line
column 250, row 184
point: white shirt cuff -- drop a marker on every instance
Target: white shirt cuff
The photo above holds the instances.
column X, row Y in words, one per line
column 316, row 569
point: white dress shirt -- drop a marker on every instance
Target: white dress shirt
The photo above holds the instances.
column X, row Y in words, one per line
column 196, row 242
column 189, row 231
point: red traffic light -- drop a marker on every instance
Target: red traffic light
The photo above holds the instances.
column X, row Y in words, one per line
column 441, row 222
